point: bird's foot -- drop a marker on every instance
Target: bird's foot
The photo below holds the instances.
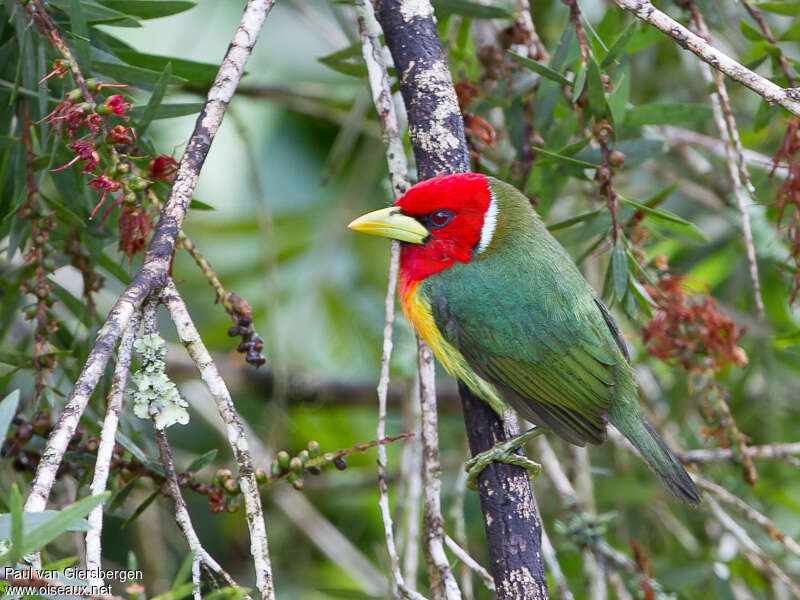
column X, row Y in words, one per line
column 504, row 453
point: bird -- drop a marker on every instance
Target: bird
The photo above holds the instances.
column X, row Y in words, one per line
column 507, row 312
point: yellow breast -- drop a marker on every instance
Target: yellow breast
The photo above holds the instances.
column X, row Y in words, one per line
column 417, row 310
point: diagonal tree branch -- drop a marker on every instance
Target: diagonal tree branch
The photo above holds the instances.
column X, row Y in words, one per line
column 153, row 273
column 107, row 440
column 788, row 98
column 190, row 337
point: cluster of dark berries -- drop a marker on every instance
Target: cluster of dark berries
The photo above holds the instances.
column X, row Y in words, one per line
column 242, row 314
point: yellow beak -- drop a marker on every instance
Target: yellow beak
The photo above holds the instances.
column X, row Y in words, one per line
column 390, row 222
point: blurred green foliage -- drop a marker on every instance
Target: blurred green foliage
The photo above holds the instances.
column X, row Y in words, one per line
column 298, row 156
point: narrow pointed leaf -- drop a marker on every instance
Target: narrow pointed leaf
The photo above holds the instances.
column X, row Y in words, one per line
column 149, row 9
column 666, row 114
column 619, row 266
column 60, row 522
column 539, row 68
column 155, row 100
column 8, row 408
column 203, row 460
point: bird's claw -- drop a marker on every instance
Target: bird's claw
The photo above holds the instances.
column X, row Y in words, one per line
column 504, row 453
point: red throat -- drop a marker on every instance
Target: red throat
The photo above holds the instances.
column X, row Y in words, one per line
column 467, row 195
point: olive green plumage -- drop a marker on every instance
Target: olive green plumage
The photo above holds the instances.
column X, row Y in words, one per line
column 527, row 321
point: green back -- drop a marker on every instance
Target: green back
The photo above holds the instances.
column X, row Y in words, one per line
column 527, row 321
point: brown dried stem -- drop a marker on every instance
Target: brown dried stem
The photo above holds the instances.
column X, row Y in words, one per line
column 153, row 273
column 760, row 519
column 737, row 167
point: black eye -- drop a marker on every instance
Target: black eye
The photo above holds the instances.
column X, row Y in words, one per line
column 440, row 218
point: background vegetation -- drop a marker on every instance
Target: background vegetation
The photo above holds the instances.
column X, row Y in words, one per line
column 298, row 156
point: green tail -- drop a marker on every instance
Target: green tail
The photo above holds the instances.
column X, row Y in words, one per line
column 628, row 418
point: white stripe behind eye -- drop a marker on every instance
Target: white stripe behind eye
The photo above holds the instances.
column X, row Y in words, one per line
column 489, row 225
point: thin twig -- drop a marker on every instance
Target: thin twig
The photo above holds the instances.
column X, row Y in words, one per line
column 370, row 32
column 743, row 189
column 593, row 566
column 116, row 399
column 751, row 513
column 200, row 556
column 411, row 474
column 676, row 136
column 49, row 29
column 443, row 583
column 774, row 94
column 470, row 562
column 154, row 270
column 460, row 527
column 300, row 512
column 551, row 560
column 602, row 549
column 762, row 23
column 618, row 585
column 190, row 337
column 768, row 451
column 754, row 553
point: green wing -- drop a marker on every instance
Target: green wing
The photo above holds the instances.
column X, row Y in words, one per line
column 527, row 321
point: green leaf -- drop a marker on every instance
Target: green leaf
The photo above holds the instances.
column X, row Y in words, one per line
column 154, row 102
column 646, row 303
column 671, row 220
column 619, row 267
column 140, row 509
column 580, row 84
column 620, row 92
column 8, row 408
column 131, row 447
column 97, row 14
column 118, row 497
column 77, row 307
column 149, row 9
column 15, row 506
column 131, row 75
column 750, row 32
column 187, row 69
column 596, row 93
column 62, row 521
column 666, row 114
column 32, row 520
column 566, row 160
column 347, row 61
column 203, row 460
column 792, row 34
column 105, row 261
column 780, row 8
column 476, row 10
column 80, row 29
column 574, row 220
column 618, row 47
column 184, row 571
column 196, row 204
column 539, row 68
column 169, row 111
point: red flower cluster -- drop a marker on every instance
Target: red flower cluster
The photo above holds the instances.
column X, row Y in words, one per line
column 689, row 331
column 788, row 199
column 134, row 227
column 162, row 168
column 105, row 183
column 115, row 104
